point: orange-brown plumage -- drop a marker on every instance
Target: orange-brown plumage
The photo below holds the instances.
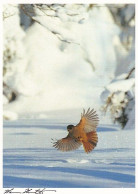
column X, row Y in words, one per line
column 84, row 133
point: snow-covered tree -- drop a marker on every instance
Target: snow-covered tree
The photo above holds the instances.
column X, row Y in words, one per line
column 13, row 52
column 54, row 50
column 119, row 95
column 119, row 98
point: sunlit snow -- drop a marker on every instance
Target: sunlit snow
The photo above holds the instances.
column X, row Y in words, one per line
column 31, row 161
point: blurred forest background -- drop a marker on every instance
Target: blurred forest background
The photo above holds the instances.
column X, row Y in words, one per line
column 69, row 56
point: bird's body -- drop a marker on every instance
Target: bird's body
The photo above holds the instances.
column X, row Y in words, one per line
column 78, row 133
column 84, row 133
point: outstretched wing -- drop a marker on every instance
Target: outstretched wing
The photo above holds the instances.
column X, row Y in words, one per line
column 67, row 144
column 89, row 121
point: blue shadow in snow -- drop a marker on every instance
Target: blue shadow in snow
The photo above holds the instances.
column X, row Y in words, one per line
column 36, row 126
column 61, row 127
column 105, row 129
column 125, row 178
column 17, row 182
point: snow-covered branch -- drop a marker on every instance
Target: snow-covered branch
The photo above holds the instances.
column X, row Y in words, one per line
column 53, row 18
column 119, row 95
column 119, row 98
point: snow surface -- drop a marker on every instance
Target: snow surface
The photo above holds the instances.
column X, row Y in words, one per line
column 31, row 161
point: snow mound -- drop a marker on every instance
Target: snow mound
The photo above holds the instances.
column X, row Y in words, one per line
column 121, row 85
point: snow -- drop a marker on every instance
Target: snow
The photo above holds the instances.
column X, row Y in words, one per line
column 131, row 122
column 55, row 74
column 8, row 115
column 119, row 95
column 31, row 161
column 121, row 85
column 5, row 100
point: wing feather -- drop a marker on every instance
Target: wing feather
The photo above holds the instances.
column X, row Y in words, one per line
column 89, row 120
column 67, row 144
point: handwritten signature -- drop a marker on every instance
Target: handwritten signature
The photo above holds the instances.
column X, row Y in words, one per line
column 29, row 191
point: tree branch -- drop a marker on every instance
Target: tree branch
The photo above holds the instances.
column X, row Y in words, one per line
column 129, row 74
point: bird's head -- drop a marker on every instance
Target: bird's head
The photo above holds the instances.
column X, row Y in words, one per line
column 70, row 127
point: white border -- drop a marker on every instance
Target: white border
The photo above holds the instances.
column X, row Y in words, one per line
column 68, row 190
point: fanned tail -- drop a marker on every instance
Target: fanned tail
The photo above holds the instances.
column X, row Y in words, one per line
column 91, row 143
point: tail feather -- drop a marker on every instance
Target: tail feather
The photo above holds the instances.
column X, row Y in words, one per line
column 88, row 147
column 92, row 140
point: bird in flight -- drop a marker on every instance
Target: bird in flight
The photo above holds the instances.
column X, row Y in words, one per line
column 84, row 133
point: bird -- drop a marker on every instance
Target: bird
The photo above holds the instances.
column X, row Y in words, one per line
column 84, row 133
